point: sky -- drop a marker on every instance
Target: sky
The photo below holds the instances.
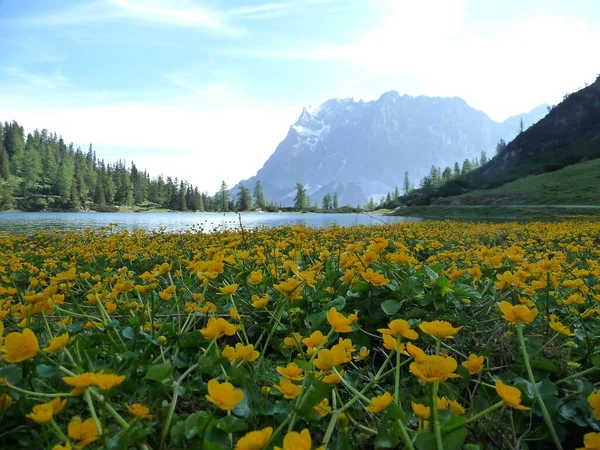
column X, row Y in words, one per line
column 204, row 90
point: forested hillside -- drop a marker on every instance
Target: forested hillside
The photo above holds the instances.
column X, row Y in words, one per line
column 41, row 171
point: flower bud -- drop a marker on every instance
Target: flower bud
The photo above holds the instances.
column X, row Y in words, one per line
column 161, row 340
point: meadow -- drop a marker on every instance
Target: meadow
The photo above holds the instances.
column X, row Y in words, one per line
column 423, row 335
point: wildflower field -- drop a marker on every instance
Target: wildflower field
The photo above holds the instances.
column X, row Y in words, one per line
column 427, row 335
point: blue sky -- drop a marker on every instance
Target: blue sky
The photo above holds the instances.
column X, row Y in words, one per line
column 205, row 89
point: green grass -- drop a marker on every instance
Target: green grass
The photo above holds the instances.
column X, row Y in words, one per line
column 578, row 184
column 503, row 212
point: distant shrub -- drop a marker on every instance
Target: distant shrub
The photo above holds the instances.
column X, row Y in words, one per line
column 553, row 166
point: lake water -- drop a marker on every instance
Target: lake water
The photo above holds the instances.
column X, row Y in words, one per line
column 23, row 222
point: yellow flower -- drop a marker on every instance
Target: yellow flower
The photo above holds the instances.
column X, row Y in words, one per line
column 520, row 313
column 69, row 275
column 417, row 353
column 108, row 380
column 453, row 405
column 390, row 343
column 296, row 441
column 399, row 327
column 41, row 413
column 314, row 340
column 362, row 354
column 255, row 277
column 67, row 446
column 323, row 408
column 229, row 353
column 223, row 395
column 85, row 432
column 511, row 395
column 245, row 352
column 234, row 314
column 332, row 378
column 80, row 382
column 380, row 403
column 327, row 359
column 292, row 342
column 228, row 289
column 260, row 303
column 254, row 440
column 594, row 401
column 474, row 364
column 421, row 411
column 591, row 442
column 439, row 329
column 5, row 402
column 347, row 344
column 217, row 327
column 561, row 328
column 19, row 347
column 339, row 322
column 57, row 343
column 434, row 368
column 288, row 389
column 139, row 411
column 374, row 278
column 291, row 372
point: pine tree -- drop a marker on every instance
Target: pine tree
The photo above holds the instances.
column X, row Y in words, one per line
column 336, row 201
column 466, row 167
column 244, row 199
column 456, row 171
column 406, row 183
column 326, row 201
column 500, row 146
column 483, row 159
column 259, row 198
column 223, row 197
column 301, row 199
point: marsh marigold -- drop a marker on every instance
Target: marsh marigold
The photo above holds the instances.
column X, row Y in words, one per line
column 254, row 440
column 223, row 395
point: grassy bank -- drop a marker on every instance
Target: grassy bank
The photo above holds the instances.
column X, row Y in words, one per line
column 517, row 212
column 578, row 184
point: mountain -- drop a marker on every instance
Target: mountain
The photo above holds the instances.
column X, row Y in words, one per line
column 570, row 133
column 361, row 150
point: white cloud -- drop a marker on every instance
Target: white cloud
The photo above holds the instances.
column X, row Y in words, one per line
column 432, row 48
column 202, row 146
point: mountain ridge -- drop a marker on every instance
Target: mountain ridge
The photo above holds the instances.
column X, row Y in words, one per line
column 362, row 149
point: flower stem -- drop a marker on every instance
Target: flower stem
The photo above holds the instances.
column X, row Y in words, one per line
column 163, row 437
column 397, row 375
column 545, row 412
column 436, row 419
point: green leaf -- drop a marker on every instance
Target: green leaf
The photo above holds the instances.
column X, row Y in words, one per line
column 596, row 361
column 242, row 409
column 416, row 313
column 391, row 307
column 231, row 424
column 338, row 303
column 431, row 272
column 464, row 290
column 159, row 372
column 453, row 440
column 546, row 365
column 128, row 333
column 45, row 370
column 12, row 373
column 195, row 423
column 547, row 388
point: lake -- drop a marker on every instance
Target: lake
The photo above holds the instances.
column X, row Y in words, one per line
column 24, row 222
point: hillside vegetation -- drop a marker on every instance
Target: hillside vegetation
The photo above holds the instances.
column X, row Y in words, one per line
column 568, row 135
column 578, row 184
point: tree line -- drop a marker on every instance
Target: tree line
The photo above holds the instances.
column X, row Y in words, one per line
column 40, row 171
